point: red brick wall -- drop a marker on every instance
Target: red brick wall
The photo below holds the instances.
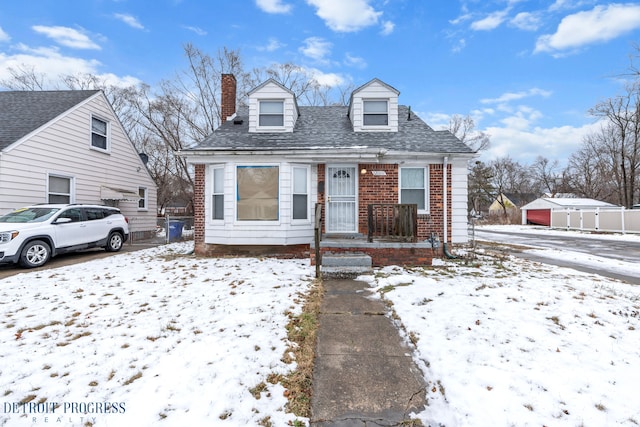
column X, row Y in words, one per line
column 385, row 189
column 381, row 257
column 198, row 206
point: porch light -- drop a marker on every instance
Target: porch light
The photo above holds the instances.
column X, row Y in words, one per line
column 363, row 171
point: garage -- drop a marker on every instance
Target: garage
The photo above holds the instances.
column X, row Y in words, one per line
column 538, row 212
column 539, row 217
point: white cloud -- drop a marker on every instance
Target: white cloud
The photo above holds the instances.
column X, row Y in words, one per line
column 129, row 20
column 525, row 144
column 526, row 21
column 513, row 96
column 326, row 79
column 4, row 37
column 346, row 15
column 316, row 48
column 354, row 61
column 387, row 28
column 600, row 24
column 51, row 63
column 199, row 31
column 272, row 45
column 491, row 22
column 273, row 6
column 66, row 36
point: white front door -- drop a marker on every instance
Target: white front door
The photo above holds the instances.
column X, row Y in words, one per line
column 342, row 210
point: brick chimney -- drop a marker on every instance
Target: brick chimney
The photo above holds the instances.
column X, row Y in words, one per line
column 228, row 97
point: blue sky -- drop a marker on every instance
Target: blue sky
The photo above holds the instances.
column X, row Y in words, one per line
column 526, row 71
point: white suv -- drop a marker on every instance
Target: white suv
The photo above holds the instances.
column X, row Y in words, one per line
column 30, row 236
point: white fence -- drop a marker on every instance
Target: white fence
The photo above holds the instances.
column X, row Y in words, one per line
column 608, row 220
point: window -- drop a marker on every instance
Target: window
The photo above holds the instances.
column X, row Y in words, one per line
column 413, row 187
column 375, row 113
column 74, row 214
column 300, row 193
column 142, row 201
column 257, row 193
column 59, row 190
column 218, row 193
column 99, row 134
column 94, row 213
column 271, row 113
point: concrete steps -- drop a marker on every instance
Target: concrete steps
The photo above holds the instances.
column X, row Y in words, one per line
column 344, row 265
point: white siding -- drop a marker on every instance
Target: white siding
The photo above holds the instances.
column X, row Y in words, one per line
column 459, row 232
column 63, row 147
column 272, row 92
column 285, row 231
column 374, row 91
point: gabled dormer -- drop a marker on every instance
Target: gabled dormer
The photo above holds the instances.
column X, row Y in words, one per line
column 373, row 107
column 272, row 108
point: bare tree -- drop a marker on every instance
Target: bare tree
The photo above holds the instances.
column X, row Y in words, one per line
column 464, row 128
column 509, row 176
column 24, row 77
column 621, row 141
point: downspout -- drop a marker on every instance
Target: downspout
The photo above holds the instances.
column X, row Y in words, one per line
column 445, row 245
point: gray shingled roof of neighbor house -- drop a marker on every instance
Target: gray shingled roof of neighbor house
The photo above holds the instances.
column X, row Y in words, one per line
column 329, row 127
column 22, row 112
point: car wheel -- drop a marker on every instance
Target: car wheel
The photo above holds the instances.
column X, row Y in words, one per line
column 114, row 242
column 35, row 254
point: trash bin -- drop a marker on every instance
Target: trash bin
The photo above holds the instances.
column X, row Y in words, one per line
column 175, row 230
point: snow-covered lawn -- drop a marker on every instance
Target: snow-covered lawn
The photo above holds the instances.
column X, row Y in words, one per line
column 149, row 337
column 161, row 339
column 507, row 342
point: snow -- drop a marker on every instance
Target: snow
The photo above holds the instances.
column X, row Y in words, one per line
column 200, row 332
column 501, row 341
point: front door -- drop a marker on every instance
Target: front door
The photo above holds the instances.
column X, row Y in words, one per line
column 342, row 211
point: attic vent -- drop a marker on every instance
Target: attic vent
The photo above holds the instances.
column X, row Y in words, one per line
column 237, row 121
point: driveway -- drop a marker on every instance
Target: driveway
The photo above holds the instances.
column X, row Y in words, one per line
column 73, row 258
column 517, row 243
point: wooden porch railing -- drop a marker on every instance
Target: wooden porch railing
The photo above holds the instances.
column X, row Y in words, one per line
column 393, row 222
column 317, row 237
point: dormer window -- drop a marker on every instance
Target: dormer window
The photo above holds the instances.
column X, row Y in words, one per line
column 376, row 113
column 271, row 113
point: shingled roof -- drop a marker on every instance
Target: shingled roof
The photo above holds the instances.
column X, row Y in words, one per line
column 22, row 112
column 329, row 127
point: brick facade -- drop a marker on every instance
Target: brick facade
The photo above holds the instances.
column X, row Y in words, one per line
column 198, row 207
column 385, row 189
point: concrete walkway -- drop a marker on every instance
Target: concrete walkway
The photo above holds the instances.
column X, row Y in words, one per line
column 364, row 374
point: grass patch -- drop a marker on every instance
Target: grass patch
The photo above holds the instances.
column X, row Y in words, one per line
column 302, row 330
column 133, row 378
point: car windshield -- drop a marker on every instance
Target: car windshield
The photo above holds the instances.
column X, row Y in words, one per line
column 29, row 215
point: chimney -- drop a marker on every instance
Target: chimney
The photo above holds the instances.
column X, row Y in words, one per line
column 228, row 97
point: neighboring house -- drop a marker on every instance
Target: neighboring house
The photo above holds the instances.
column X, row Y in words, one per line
column 70, row 147
column 538, row 212
column 261, row 175
column 509, row 202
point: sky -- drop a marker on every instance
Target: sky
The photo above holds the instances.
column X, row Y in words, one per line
column 526, row 71
column 168, row 339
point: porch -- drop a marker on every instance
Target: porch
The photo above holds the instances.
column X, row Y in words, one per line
column 392, row 239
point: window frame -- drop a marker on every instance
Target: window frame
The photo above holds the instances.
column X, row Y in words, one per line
column 426, row 182
column 307, row 189
column 70, row 195
column 238, row 167
column 269, row 114
column 144, row 199
column 106, row 136
column 366, row 114
column 215, row 194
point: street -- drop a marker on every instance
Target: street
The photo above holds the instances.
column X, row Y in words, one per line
column 516, row 243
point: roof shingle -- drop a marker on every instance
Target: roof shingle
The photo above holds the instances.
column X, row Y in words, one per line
column 22, row 112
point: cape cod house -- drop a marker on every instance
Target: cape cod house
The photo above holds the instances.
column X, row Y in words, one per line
column 371, row 176
column 69, row 147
